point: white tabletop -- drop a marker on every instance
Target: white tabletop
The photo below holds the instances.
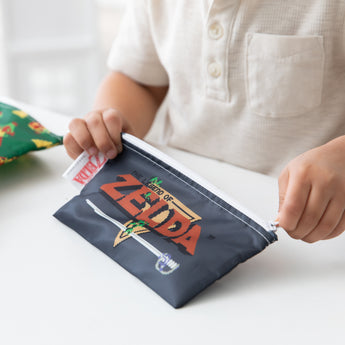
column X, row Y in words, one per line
column 56, row 288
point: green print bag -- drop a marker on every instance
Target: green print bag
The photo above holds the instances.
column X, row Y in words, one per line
column 20, row 133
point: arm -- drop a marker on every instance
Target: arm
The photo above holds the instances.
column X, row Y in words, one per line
column 312, row 193
column 121, row 105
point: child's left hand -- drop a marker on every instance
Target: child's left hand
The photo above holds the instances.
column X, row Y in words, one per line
column 312, row 193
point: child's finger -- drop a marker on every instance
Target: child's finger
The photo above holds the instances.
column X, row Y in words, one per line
column 314, row 210
column 339, row 229
column 80, row 132
column 114, row 125
column 327, row 224
column 100, row 135
column 295, row 200
column 71, row 146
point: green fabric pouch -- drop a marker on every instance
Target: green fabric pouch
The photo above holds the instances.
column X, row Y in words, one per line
column 20, row 133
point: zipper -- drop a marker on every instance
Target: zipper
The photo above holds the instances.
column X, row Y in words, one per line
column 85, row 167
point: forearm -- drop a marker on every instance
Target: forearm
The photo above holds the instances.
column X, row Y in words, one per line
column 136, row 102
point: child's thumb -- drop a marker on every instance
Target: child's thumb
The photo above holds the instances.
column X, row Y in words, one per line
column 283, row 182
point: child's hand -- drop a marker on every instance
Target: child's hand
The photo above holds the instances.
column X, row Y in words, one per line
column 100, row 130
column 312, row 193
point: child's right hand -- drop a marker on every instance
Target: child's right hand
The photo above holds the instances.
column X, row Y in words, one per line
column 100, row 130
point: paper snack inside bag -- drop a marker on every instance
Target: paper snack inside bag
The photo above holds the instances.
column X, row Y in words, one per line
column 160, row 221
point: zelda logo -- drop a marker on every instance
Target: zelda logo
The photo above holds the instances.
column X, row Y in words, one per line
column 152, row 208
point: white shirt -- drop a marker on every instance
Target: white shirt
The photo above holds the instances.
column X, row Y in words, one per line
column 252, row 82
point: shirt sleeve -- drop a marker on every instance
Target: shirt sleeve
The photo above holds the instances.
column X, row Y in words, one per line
column 133, row 52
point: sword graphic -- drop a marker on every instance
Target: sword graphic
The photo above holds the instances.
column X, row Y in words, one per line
column 165, row 264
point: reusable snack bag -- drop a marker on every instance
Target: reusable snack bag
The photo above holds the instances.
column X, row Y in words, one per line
column 21, row 133
column 160, row 221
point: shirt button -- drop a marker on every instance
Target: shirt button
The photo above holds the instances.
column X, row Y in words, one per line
column 215, row 31
column 214, row 69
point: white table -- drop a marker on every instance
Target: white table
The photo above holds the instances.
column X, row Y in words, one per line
column 56, row 288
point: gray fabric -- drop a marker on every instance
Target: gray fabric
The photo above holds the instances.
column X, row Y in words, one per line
column 227, row 237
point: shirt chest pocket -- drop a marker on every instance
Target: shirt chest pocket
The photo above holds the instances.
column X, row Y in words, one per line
column 284, row 74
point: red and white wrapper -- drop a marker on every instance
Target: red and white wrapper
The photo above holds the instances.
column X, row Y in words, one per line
column 84, row 168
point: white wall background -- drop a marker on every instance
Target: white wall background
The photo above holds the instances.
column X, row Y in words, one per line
column 53, row 52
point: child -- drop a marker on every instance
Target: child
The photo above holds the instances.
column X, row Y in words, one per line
column 258, row 84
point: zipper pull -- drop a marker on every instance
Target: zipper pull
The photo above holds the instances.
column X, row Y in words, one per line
column 273, row 225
